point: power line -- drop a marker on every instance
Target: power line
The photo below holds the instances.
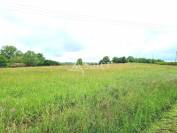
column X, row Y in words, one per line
column 23, row 8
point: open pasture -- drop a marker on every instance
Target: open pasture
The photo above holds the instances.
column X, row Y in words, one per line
column 120, row 98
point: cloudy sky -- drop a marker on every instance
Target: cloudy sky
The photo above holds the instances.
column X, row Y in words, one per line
column 68, row 29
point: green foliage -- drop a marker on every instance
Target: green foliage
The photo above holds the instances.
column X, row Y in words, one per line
column 18, row 58
column 116, row 60
column 12, row 57
column 137, row 60
column 167, row 123
column 30, row 58
column 105, row 60
column 144, row 60
column 119, row 60
column 3, row 61
column 50, row 63
column 124, row 60
column 9, row 51
column 131, row 59
column 79, row 62
column 167, row 63
column 41, row 59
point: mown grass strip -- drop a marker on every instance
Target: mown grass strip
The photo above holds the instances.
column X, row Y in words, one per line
column 168, row 123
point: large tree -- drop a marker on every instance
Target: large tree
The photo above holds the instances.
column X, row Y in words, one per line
column 131, row 59
column 124, row 59
column 119, row 60
column 9, row 51
column 105, row 60
column 116, row 60
column 18, row 58
column 31, row 59
column 41, row 59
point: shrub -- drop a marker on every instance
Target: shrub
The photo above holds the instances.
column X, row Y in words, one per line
column 3, row 61
column 50, row 63
column 167, row 63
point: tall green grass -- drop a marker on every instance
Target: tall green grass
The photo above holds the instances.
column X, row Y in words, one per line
column 167, row 63
column 121, row 98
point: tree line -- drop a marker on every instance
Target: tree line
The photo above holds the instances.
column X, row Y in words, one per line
column 107, row 60
column 129, row 59
column 12, row 57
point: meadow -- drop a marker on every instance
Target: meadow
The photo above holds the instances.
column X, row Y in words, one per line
column 124, row 98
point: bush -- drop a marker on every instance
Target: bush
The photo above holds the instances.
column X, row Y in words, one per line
column 3, row 61
column 50, row 63
column 167, row 63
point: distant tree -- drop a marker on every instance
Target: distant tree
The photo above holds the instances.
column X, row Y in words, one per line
column 124, row 60
column 100, row 62
column 79, row 62
column 31, row 59
column 50, row 63
column 159, row 60
column 105, row 60
column 9, row 51
column 41, row 59
column 145, row 60
column 131, row 59
column 18, row 58
column 116, row 60
column 141, row 60
column 119, row 60
column 3, row 61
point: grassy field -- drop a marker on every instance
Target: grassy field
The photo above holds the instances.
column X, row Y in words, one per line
column 123, row 98
column 168, row 123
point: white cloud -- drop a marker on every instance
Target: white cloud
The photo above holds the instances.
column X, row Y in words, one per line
column 101, row 27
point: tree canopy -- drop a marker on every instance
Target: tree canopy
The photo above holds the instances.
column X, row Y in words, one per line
column 11, row 56
column 3, row 61
column 105, row 60
column 9, row 51
column 79, row 62
column 133, row 59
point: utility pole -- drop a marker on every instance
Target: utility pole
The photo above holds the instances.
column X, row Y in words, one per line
column 176, row 57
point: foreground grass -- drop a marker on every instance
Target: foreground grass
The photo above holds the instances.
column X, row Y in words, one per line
column 122, row 98
column 168, row 123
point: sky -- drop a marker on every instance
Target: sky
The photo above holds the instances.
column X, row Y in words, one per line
column 65, row 30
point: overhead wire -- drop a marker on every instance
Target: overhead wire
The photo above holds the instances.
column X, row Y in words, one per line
column 24, row 8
